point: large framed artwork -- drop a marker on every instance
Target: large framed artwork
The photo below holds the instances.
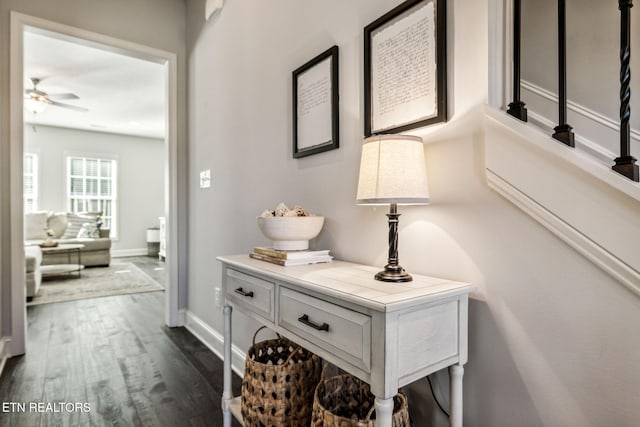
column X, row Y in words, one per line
column 405, row 76
column 315, row 105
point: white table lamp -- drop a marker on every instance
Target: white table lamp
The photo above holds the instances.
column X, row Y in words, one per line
column 393, row 172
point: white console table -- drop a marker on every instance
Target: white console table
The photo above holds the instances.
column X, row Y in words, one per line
column 387, row 334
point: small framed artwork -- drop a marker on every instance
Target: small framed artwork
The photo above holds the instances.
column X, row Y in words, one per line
column 405, row 76
column 315, row 105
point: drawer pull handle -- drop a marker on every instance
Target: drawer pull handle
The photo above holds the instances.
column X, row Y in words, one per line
column 243, row 293
column 305, row 319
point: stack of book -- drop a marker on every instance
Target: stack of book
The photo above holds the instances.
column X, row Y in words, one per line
column 290, row 258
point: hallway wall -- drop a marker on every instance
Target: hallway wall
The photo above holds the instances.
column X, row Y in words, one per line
column 552, row 337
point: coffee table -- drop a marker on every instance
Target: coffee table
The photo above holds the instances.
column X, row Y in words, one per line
column 70, row 267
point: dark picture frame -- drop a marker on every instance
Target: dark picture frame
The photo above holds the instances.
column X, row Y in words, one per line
column 408, row 38
column 315, row 105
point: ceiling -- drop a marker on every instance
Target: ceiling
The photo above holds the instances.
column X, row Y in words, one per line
column 124, row 95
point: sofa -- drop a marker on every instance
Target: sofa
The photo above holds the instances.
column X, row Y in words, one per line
column 70, row 228
column 33, row 259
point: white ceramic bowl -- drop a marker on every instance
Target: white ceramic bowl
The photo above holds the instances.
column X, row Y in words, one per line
column 290, row 233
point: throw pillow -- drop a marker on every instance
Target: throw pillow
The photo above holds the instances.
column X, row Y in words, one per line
column 89, row 230
column 75, row 222
column 57, row 222
column 35, row 225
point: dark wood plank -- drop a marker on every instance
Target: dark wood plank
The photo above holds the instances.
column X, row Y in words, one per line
column 153, row 402
column 202, row 359
column 64, row 383
column 23, row 377
column 64, row 324
column 106, row 389
column 22, row 381
column 190, row 390
column 116, row 354
column 111, row 404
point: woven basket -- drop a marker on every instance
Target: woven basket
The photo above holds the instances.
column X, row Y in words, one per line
column 345, row 401
column 278, row 384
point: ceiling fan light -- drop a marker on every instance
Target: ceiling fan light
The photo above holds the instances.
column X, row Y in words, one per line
column 35, row 106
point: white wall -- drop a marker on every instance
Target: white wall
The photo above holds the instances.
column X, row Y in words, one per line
column 140, row 180
column 552, row 338
column 137, row 22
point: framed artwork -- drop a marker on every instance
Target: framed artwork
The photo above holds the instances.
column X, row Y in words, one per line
column 315, row 105
column 405, row 76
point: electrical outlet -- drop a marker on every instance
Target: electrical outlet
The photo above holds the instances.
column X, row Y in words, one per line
column 216, row 297
column 205, row 178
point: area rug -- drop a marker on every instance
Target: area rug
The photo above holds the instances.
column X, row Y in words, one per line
column 117, row 279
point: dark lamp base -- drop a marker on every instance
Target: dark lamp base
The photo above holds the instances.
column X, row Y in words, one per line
column 393, row 273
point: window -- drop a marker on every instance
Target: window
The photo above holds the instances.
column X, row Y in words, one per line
column 91, row 187
column 30, row 182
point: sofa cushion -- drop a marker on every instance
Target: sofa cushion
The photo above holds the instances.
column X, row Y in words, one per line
column 32, row 257
column 57, row 222
column 35, row 225
column 89, row 244
column 75, row 221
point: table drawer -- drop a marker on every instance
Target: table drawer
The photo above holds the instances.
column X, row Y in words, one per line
column 253, row 293
column 343, row 332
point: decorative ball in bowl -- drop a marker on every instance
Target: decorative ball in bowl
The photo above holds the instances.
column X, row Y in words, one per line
column 290, row 233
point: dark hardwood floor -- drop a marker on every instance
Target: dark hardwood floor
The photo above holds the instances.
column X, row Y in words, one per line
column 116, row 355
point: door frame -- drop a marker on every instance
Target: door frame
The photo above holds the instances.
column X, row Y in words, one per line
column 176, row 283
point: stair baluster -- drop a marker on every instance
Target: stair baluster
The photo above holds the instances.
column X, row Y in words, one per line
column 517, row 107
column 626, row 163
column 563, row 132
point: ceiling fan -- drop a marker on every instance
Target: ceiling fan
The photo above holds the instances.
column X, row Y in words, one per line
column 37, row 101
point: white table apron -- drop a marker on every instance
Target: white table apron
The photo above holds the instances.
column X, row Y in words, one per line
column 387, row 334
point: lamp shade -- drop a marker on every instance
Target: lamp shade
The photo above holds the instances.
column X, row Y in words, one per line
column 392, row 170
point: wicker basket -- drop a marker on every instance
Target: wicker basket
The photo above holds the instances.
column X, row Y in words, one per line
column 278, row 384
column 345, row 401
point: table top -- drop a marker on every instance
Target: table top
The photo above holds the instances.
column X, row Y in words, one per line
column 62, row 247
column 355, row 283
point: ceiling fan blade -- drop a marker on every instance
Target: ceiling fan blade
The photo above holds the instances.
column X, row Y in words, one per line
column 69, row 106
column 34, row 92
column 63, row 96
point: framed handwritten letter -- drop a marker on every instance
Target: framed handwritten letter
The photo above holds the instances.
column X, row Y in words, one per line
column 405, row 76
column 315, row 105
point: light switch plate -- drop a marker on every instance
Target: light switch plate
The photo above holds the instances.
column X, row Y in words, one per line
column 205, row 178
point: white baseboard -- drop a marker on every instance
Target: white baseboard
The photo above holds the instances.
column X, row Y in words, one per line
column 117, row 253
column 215, row 342
column 182, row 317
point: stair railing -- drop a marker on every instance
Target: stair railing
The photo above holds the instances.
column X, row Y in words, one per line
column 625, row 164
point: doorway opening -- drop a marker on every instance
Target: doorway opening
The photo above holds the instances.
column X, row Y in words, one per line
column 88, row 177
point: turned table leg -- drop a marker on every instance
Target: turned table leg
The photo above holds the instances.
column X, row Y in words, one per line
column 455, row 395
column 227, row 394
column 384, row 412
